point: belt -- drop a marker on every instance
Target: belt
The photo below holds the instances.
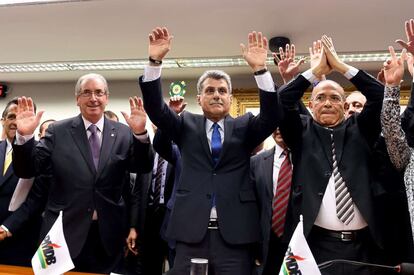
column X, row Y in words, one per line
column 212, row 224
column 344, row 236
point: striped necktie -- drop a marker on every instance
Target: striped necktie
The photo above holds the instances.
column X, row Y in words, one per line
column 281, row 198
column 344, row 204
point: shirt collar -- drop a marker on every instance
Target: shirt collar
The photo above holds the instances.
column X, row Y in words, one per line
column 278, row 151
column 99, row 124
column 210, row 123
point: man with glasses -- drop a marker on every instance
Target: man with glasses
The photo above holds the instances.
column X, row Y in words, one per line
column 331, row 184
column 84, row 160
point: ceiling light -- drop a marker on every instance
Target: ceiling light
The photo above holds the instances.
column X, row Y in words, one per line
column 171, row 63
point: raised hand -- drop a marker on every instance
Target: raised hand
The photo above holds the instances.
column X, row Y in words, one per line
column 409, row 31
column 380, row 76
column 394, row 67
column 255, row 53
column 138, row 117
column 332, row 57
column 410, row 63
column 288, row 68
column 177, row 104
column 318, row 60
column 26, row 119
column 159, row 43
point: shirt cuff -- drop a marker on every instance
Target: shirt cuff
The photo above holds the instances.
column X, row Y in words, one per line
column 351, row 72
column 309, row 76
column 151, row 73
column 20, row 140
column 5, row 229
column 265, row 82
column 144, row 138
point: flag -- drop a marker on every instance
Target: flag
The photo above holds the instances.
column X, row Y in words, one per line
column 298, row 258
column 52, row 257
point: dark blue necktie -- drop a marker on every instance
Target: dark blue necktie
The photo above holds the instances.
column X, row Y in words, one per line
column 215, row 143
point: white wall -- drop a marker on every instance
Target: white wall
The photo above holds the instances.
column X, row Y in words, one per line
column 58, row 99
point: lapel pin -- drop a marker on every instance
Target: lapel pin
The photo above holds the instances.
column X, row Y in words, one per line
column 112, row 135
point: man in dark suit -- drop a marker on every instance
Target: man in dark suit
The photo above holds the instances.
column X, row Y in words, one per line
column 266, row 171
column 19, row 250
column 215, row 215
column 85, row 159
column 331, row 176
column 149, row 199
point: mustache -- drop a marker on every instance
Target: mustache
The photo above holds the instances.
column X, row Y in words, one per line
column 216, row 102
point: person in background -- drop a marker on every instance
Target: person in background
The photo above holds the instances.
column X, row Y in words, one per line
column 43, row 127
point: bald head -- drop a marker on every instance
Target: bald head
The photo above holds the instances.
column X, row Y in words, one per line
column 327, row 103
column 354, row 103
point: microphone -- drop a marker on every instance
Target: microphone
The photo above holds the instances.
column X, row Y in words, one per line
column 403, row 268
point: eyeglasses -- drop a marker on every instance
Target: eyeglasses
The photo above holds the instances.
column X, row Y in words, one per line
column 98, row 93
column 332, row 98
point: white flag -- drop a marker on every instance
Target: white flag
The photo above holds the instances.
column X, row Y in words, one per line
column 298, row 258
column 52, row 257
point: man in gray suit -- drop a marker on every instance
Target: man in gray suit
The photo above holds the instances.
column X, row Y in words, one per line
column 266, row 173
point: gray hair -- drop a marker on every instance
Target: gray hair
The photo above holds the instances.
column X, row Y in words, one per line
column 90, row 76
column 214, row 74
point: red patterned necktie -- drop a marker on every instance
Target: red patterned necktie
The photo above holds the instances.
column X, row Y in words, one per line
column 281, row 198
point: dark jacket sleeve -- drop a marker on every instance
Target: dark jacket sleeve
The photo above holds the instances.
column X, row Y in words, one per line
column 369, row 119
column 159, row 112
column 291, row 125
column 407, row 119
column 164, row 147
column 23, row 159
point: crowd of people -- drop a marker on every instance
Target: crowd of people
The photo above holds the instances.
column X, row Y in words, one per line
column 345, row 164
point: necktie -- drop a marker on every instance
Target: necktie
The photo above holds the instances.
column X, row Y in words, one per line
column 281, row 198
column 344, row 204
column 95, row 144
column 7, row 161
column 215, row 143
column 158, row 180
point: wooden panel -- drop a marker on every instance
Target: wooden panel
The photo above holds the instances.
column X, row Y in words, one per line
column 19, row 270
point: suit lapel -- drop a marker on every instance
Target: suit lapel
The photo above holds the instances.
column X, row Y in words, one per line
column 81, row 140
column 339, row 136
column 3, row 146
column 267, row 171
column 108, row 138
column 228, row 132
column 203, row 137
column 324, row 136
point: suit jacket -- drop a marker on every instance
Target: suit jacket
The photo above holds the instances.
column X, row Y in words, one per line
column 310, row 144
column 19, row 249
column 74, row 185
column 261, row 167
column 228, row 180
column 170, row 152
column 141, row 193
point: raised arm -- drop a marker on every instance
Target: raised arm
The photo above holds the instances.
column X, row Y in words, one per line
column 369, row 119
column 288, row 67
column 262, row 125
column 409, row 32
column 159, row 113
column 395, row 140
